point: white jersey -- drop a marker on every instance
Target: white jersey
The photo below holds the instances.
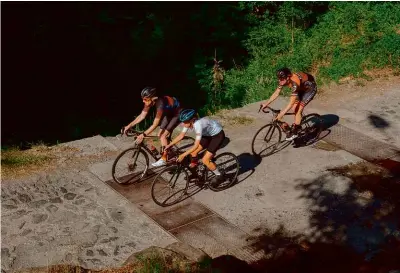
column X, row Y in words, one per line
column 205, row 127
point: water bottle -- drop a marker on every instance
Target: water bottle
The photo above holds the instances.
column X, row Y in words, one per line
column 153, row 149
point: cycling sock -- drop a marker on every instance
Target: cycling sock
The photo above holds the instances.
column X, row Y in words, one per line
column 193, row 162
column 164, row 155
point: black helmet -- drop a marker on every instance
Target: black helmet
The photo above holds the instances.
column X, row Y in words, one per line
column 148, row 92
column 283, row 73
column 187, row 114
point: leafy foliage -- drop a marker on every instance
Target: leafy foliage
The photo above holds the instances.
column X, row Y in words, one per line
column 344, row 40
column 77, row 68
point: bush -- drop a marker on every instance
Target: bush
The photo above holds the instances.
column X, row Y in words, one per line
column 344, row 40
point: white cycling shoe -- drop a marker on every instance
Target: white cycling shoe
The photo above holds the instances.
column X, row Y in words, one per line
column 159, row 163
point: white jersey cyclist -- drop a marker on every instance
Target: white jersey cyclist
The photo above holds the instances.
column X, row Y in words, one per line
column 205, row 127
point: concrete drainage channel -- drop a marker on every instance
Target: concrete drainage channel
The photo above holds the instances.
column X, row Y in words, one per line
column 192, row 223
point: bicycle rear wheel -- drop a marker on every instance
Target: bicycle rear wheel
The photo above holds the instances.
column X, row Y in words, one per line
column 311, row 128
column 228, row 164
column 130, row 166
column 267, row 139
column 169, row 186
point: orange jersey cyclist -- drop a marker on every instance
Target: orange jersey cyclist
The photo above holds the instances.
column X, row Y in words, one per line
column 303, row 88
column 167, row 117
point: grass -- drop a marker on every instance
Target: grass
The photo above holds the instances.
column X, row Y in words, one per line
column 153, row 262
column 226, row 118
column 16, row 162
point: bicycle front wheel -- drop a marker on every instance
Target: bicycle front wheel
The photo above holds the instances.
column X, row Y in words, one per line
column 266, row 141
column 130, row 166
column 169, row 186
column 228, row 164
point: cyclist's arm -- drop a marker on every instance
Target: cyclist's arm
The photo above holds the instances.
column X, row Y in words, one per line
column 191, row 150
column 288, row 107
column 198, row 130
column 139, row 118
column 155, row 123
column 274, row 96
column 176, row 139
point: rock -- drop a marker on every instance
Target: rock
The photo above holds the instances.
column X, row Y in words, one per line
column 109, row 240
column 52, row 208
column 79, row 201
column 24, row 198
column 18, row 214
column 102, row 252
column 26, row 232
column 38, row 218
column 9, row 206
column 37, row 204
column 56, row 200
column 69, row 196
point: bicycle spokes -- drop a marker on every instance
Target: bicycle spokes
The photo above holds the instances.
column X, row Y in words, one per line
column 269, row 134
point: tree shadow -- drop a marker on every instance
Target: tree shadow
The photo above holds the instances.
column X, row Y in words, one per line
column 354, row 224
column 227, row 264
column 378, row 122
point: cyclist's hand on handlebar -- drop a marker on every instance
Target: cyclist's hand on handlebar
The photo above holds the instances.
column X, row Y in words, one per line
column 263, row 105
column 139, row 139
column 167, row 147
column 180, row 158
column 125, row 129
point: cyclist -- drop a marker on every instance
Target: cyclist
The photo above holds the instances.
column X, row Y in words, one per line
column 209, row 135
column 168, row 109
column 303, row 88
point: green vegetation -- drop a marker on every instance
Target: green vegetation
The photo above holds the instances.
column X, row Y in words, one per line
column 345, row 39
column 15, row 162
column 96, row 57
column 14, row 157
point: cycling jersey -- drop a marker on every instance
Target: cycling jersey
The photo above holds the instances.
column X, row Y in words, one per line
column 167, row 104
column 303, row 87
column 205, row 127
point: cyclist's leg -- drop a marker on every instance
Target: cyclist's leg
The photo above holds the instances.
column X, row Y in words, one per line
column 214, row 145
column 162, row 135
column 194, row 156
column 168, row 124
column 304, row 100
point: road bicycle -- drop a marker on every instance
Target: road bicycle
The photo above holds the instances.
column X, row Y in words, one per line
column 133, row 164
column 171, row 185
column 269, row 138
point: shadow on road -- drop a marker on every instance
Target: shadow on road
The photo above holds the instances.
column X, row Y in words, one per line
column 354, row 229
column 329, row 120
column 248, row 163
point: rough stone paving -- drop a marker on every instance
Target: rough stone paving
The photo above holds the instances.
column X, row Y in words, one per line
column 69, row 217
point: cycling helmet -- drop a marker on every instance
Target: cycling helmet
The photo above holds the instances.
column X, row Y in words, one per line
column 283, row 73
column 148, row 92
column 187, row 114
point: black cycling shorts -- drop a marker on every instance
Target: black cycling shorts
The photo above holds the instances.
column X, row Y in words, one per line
column 212, row 143
column 306, row 96
column 169, row 123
